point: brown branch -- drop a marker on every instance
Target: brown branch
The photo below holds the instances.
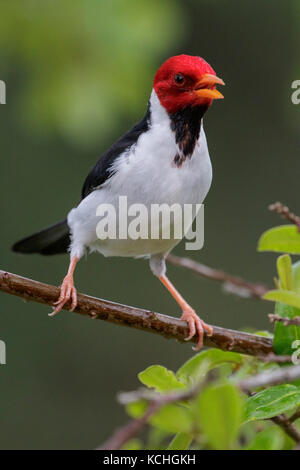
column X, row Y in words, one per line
column 289, row 428
column 285, row 213
column 169, row 327
column 295, row 416
column 286, row 321
column 233, row 284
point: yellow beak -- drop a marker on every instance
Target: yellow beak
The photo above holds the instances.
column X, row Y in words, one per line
column 205, row 88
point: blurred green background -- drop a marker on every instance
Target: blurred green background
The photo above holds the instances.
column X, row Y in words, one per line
column 78, row 75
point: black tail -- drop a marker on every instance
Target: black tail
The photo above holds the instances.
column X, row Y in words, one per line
column 50, row 241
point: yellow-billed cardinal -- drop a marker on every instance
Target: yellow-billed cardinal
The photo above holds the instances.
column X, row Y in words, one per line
column 163, row 159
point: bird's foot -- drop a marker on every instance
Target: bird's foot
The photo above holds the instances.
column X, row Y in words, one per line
column 67, row 292
column 196, row 326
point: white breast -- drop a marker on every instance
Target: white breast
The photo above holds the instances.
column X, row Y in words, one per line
column 146, row 175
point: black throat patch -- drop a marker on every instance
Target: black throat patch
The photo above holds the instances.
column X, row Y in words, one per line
column 186, row 124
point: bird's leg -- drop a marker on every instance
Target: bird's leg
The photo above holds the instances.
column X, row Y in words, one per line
column 196, row 325
column 67, row 290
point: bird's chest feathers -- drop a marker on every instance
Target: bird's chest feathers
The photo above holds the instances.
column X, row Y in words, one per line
column 169, row 163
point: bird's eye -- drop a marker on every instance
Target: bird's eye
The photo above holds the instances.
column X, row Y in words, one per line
column 179, row 78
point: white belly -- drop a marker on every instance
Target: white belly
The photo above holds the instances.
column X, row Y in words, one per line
column 147, row 175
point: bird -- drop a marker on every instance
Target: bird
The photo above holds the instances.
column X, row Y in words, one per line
column 164, row 158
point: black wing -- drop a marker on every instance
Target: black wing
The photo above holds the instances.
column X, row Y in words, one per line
column 103, row 168
column 56, row 239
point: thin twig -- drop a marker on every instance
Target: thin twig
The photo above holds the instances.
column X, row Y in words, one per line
column 124, row 398
column 274, row 358
column 169, row 327
column 276, row 377
column 123, row 434
column 233, row 284
column 285, row 213
column 286, row 321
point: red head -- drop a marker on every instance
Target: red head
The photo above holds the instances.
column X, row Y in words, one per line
column 186, row 80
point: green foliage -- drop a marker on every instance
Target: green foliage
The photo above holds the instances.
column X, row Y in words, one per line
column 202, row 405
column 296, row 276
column 174, row 419
column 285, row 335
column 284, row 239
column 268, row 439
column 287, row 299
column 180, row 442
column 284, row 296
column 215, row 417
column 220, row 412
column 137, row 409
column 133, row 444
column 160, row 378
column 272, row 402
column 284, row 268
column 194, row 368
column 86, row 67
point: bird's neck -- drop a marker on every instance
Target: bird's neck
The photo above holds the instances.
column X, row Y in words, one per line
column 185, row 123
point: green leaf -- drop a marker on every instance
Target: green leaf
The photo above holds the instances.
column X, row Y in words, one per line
column 285, row 336
column 160, row 378
column 133, row 444
column 269, row 439
column 287, row 305
column 284, row 268
column 264, row 333
column 284, row 296
column 220, row 414
column 272, row 402
column 137, row 409
column 206, row 360
column 284, row 238
column 173, row 419
column 180, row 442
column 157, row 438
column 296, row 277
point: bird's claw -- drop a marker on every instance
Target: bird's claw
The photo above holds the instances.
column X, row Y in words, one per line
column 67, row 292
column 196, row 326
